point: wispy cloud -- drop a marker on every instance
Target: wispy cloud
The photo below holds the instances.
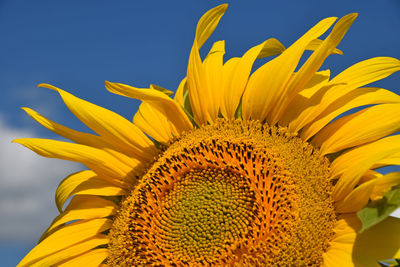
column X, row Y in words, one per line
column 27, row 186
column 35, row 97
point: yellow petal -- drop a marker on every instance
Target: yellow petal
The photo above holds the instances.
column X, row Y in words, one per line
column 82, row 207
column 270, row 47
column 358, row 75
column 300, row 101
column 96, row 159
column 304, row 113
column 232, row 92
column 350, row 166
column 82, row 138
column 153, row 123
column 93, row 258
column 161, row 89
column 236, row 73
column 339, row 252
column 65, row 237
column 348, row 248
column 267, row 84
column 208, row 22
column 380, row 242
column 117, row 130
column 316, row 43
column 384, row 184
column 356, row 199
column 367, row 71
column 213, row 70
column 76, row 136
column 200, row 92
column 318, row 80
column 158, row 100
column 391, row 160
column 180, row 92
column 314, row 62
column 356, row 98
column 338, row 257
column 359, row 128
column 70, row 252
column 87, row 183
column 233, row 75
column 369, row 175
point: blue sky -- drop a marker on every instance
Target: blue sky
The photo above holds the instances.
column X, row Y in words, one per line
column 76, row 45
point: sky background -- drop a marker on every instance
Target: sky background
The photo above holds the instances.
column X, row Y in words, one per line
column 76, row 45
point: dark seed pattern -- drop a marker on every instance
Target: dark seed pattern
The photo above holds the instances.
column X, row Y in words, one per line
column 234, row 193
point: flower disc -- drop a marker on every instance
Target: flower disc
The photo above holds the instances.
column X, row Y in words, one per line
column 233, row 192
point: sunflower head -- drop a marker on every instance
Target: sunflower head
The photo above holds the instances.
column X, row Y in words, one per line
column 240, row 168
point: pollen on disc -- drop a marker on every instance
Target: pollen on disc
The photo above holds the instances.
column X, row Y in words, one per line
column 234, row 193
column 204, row 212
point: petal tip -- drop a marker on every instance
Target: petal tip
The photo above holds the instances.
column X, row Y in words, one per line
column 41, row 85
column 353, row 15
column 224, row 6
column 350, row 17
column 48, row 86
column 330, row 19
column 18, row 141
column 109, row 85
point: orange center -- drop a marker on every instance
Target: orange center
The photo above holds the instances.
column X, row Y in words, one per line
column 229, row 193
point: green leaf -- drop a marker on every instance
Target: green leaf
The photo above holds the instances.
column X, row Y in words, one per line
column 189, row 115
column 238, row 112
column 157, row 144
column 187, row 107
column 186, row 101
column 377, row 211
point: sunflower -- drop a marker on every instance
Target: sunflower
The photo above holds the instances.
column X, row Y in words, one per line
column 240, row 168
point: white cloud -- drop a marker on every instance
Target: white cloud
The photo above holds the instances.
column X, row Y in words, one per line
column 27, row 186
column 35, row 97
